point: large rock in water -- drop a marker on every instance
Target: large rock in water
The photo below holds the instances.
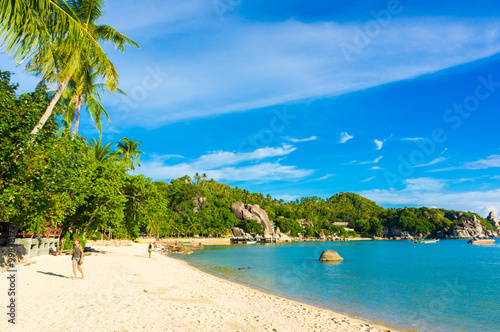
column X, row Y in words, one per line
column 330, row 256
column 253, row 212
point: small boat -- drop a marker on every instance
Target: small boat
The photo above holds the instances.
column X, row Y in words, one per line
column 481, row 241
column 251, row 242
column 426, row 241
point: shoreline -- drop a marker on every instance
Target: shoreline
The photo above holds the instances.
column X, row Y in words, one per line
column 124, row 290
column 311, row 303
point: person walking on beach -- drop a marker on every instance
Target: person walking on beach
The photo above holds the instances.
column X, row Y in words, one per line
column 149, row 249
column 77, row 258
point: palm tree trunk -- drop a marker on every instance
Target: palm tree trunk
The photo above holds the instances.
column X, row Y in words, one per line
column 48, row 112
column 77, row 115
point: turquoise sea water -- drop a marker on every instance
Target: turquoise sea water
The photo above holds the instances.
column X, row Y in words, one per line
column 447, row 286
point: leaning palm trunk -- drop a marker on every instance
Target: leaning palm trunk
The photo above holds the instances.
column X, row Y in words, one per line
column 50, row 108
column 77, row 116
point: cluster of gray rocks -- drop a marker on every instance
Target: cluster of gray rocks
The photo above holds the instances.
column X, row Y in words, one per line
column 255, row 212
column 473, row 228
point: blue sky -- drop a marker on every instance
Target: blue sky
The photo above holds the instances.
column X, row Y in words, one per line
column 396, row 100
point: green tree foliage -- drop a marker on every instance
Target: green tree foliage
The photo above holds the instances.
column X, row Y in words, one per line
column 128, row 152
column 59, row 38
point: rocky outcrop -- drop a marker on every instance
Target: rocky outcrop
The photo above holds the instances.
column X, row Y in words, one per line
column 253, row 212
column 473, row 228
column 237, row 232
column 282, row 237
column 493, row 220
column 322, row 235
column 198, row 201
column 330, row 256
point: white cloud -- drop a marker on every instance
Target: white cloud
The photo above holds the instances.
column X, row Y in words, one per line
column 297, row 140
column 344, row 137
column 265, row 172
column 492, row 161
column 489, row 162
column 424, row 184
column 326, row 176
column 375, row 161
column 496, row 177
column 229, row 166
column 376, row 167
column 368, row 179
column 432, row 162
column 242, row 65
column 379, row 144
column 224, row 158
column 287, row 197
column 412, row 139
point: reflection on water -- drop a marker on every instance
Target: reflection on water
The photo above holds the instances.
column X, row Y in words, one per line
column 422, row 287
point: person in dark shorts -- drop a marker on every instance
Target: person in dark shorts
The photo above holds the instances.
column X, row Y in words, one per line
column 149, row 249
column 77, row 258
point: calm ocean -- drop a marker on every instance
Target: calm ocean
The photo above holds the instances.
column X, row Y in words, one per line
column 447, row 286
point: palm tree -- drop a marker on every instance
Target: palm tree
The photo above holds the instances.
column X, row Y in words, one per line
column 84, row 90
column 128, row 153
column 84, row 87
column 59, row 37
column 100, row 152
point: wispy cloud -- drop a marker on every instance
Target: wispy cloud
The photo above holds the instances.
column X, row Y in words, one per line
column 492, row 161
column 379, row 144
column 287, row 197
column 433, row 162
column 412, row 139
column 344, row 137
column 368, row 179
column 297, row 140
column 375, row 161
column 229, row 166
column 376, row 168
column 424, row 184
column 246, row 64
column 326, row 176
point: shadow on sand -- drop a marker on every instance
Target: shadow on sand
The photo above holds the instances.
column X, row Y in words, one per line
column 54, row 274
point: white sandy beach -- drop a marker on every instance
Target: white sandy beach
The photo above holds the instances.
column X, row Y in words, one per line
column 124, row 290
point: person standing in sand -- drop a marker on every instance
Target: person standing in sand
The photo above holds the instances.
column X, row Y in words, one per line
column 77, row 258
column 149, row 249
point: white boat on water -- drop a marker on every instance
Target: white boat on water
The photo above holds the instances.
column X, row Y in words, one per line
column 481, row 241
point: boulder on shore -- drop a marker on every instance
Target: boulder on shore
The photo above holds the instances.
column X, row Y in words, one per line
column 253, row 212
column 237, row 232
column 330, row 256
